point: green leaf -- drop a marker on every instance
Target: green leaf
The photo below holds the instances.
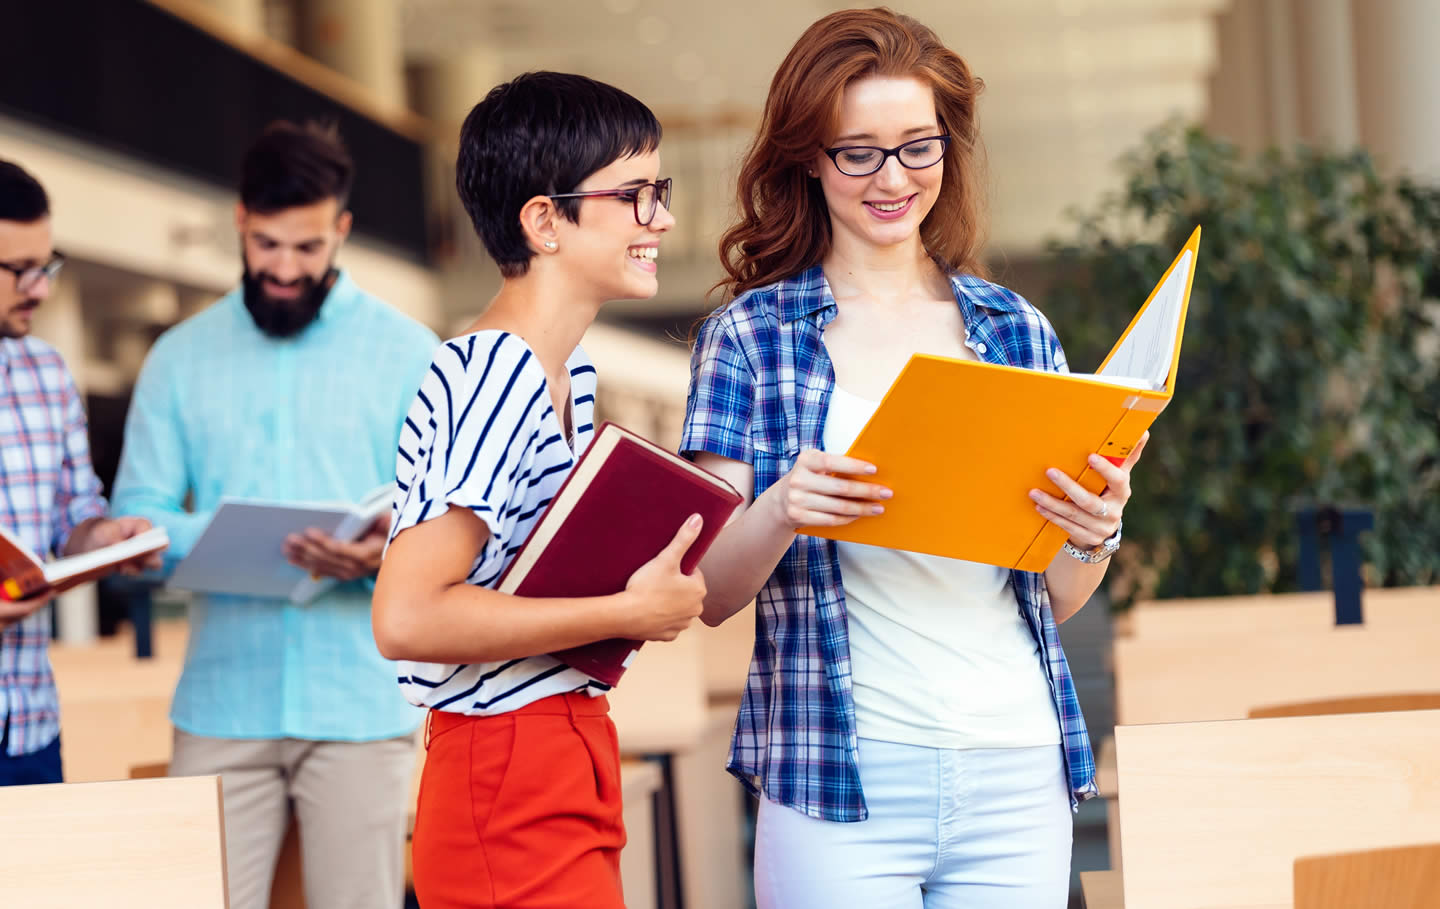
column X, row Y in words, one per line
column 1311, row 363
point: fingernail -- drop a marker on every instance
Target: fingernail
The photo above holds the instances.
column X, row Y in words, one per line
column 871, row 468
column 887, row 493
column 1034, row 495
column 877, row 509
column 693, row 521
column 1053, row 474
column 1096, row 460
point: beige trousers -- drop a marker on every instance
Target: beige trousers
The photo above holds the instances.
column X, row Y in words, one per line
column 351, row 801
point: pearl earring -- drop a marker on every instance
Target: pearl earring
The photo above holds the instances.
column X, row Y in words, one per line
column 549, row 244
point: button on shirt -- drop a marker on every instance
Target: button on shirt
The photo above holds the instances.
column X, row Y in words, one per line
column 760, row 391
column 222, row 410
column 47, row 488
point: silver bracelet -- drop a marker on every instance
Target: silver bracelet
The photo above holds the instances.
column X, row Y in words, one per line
column 1099, row 554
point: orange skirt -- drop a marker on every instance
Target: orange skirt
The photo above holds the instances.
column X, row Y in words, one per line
column 521, row 810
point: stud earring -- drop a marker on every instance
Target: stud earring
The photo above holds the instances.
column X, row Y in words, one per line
column 549, row 244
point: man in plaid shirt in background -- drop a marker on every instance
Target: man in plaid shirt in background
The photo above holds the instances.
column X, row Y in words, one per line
column 49, row 495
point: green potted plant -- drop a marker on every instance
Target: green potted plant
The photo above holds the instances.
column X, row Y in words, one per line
column 1310, row 369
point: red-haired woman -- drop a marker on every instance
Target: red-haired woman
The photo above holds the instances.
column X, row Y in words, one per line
column 909, row 721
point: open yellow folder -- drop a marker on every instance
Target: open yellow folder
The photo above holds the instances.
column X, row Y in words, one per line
column 962, row 443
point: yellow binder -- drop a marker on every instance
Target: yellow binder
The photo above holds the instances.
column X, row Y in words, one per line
column 962, row 443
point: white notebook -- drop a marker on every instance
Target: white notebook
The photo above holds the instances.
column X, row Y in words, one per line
column 240, row 550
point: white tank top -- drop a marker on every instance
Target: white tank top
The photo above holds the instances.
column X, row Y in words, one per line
column 940, row 653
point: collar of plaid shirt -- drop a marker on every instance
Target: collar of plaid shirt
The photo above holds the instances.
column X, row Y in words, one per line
column 795, row 737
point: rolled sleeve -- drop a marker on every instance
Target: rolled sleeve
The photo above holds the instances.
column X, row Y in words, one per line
column 722, row 395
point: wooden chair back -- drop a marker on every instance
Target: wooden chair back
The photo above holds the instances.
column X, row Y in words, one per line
column 1376, row 703
column 1278, row 613
column 1176, row 680
column 1215, row 814
column 1407, row 877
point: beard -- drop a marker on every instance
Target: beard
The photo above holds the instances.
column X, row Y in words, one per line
column 24, row 306
column 282, row 318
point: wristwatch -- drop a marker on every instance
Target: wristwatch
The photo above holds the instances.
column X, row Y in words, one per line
column 1099, row 554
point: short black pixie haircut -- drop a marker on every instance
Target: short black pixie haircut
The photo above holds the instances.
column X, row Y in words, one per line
column 22, row 198
column 292, row 165
column 540, row 134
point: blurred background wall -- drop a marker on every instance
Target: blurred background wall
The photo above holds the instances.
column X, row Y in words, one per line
column 134, row 115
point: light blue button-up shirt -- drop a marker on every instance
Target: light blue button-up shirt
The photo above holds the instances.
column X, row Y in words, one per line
column 221, row 409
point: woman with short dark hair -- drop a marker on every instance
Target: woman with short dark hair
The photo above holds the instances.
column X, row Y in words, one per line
column 520, row 798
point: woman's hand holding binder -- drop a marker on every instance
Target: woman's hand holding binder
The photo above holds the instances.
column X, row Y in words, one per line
column 820, row 491
column 1090, row 518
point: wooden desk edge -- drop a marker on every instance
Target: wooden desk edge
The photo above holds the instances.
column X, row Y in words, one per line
column 1107, row 777
column 1102, row 889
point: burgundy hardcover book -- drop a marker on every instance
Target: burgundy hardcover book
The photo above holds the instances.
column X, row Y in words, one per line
column 621, row 505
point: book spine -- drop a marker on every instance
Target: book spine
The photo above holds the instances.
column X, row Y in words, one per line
column 22, row 576
column 1140, row 412
column 21, row 588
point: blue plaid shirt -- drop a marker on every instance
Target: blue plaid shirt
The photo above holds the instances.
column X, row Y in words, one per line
column 760, row 391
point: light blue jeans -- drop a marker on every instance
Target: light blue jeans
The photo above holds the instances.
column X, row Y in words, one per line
column 948, row 829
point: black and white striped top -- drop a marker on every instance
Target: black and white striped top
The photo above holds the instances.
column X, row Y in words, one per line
column 482, row 434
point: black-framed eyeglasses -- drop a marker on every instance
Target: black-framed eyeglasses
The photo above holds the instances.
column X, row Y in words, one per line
column 864, row 160
column 646, row 198
column 26, row 278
